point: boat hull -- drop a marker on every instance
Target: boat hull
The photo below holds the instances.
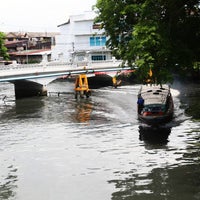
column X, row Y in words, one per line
column 156, row 107
column 156, row 120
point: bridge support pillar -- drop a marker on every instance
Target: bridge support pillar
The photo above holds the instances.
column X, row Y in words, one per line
column 25, row 88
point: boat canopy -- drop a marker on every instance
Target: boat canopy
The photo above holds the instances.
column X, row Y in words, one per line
column 154, row 95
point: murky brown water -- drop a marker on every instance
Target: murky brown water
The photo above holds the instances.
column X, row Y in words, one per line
column 56, row 148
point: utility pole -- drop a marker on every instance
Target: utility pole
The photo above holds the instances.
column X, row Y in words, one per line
column 26, row 53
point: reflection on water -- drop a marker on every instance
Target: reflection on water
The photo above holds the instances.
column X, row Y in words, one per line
column 8, row 183
column 154, row 135
column 193, row 103
column 83, row 110
column 57, row 147
column 23, row 108
column 170, row 180
column 161, row 183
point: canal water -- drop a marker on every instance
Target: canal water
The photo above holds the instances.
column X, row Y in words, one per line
column 60, row 148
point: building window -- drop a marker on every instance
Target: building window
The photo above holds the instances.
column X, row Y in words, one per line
column 96, row 26
column 81, row 57
column 97, row 41
column 98, row 57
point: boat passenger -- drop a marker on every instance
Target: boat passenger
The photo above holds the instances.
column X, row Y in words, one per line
column 140, row 103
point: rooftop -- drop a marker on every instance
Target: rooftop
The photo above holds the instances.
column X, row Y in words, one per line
column 31, row 52
column 30, row 34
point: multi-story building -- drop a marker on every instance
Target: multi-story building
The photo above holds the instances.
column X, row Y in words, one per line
column 28, row 47
column 81, row 41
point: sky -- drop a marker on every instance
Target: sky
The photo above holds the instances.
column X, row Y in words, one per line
column 39, row 15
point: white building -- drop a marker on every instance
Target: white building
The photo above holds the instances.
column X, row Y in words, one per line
column 81, row 41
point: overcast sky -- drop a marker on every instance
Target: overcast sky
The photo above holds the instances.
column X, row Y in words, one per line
column 39, row 15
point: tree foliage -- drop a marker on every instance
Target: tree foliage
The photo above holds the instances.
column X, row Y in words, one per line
column 3, row 49
column 162, row 34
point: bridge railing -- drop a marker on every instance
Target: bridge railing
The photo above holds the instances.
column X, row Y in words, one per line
column 33, row 67
column 19, row 66
column 49, row 67
column 55, row 65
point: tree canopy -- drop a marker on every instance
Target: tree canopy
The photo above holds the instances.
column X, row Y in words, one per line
column 161, row 34
column 3, row 49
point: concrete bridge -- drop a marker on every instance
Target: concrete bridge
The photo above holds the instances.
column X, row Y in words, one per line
column 32, row 79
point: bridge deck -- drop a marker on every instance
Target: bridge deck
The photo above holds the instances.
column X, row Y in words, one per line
column 32, row 71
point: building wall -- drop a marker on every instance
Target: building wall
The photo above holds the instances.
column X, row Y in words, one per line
column 77, row 35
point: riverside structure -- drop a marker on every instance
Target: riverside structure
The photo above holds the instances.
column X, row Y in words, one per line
column 32, row 79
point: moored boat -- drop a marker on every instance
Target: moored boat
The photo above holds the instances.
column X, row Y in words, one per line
column 155, row 104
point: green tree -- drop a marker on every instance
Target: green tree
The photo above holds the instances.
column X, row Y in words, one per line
column 163, row 34
column 3, row 49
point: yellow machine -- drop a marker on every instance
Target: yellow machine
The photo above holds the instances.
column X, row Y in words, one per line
column 81, row 86
column 115, row 82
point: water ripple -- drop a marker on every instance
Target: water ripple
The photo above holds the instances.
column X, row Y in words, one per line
column 60, row 147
